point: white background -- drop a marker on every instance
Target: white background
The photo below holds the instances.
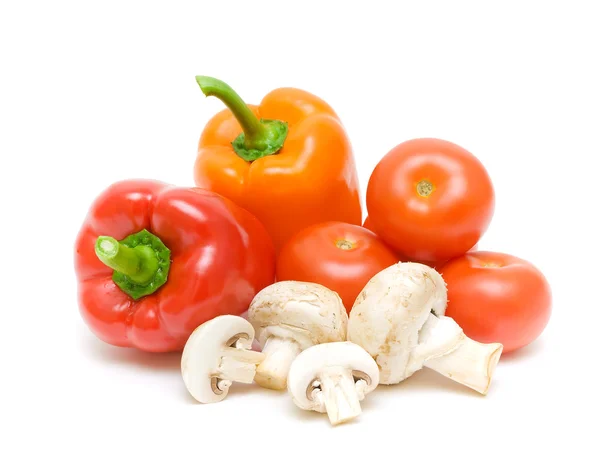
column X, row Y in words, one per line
column 94, row 92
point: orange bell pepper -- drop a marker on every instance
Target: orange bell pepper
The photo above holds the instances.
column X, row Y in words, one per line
column 288, row 160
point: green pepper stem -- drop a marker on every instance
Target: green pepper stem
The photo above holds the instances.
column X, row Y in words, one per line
column 140, row 263
column 250, row 123
column 260, row 137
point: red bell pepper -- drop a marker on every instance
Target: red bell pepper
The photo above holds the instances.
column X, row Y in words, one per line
column 154, row 261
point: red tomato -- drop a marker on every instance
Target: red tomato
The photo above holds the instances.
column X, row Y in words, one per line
column 437, row 264
column 497, row 298
column 367, row 224
column 430, row 199
column 340, row 256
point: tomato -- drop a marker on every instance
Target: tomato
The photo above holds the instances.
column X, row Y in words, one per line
column 430, row 199
column 498, row 298
column 367, row 224
column 340, row 256
column 437, row 264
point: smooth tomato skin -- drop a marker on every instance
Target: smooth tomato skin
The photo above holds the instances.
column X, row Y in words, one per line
column 438, row 264
column 498, row 298
column 443, row 224
column 367, row 224
column 313, row 255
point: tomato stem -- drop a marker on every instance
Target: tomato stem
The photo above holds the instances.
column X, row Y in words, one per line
column 344, row 244
column 425, row 188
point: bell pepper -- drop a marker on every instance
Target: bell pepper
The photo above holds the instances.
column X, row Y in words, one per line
column 154, row 261
column 288, row 160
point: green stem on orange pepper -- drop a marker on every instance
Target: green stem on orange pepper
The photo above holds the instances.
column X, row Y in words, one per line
column 260, row 137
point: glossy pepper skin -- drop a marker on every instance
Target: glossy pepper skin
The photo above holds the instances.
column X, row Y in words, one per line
column 299, row 172
column 220, row 257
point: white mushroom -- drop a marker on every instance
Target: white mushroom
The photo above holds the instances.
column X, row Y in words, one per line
column 399, row 319
column 289, row 317
column 333, row 378
column 217, row 354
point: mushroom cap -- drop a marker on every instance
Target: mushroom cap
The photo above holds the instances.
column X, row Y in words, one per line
column 390, row 312
column 202, row 355
column 307, row 367
column 306, row 312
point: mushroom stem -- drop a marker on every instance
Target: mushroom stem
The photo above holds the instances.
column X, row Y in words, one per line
column 451, row 353
column 279, row 354
column 471, row 364
column 338, row 394
column 238, row 364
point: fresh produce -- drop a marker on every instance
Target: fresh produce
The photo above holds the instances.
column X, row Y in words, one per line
column 347, row 306
column 399, row 319
column 497, row 297
column 333, row 378
column 289, row 317
column 288, row 160
column 367, row 224
column 433, row 264
column 340, row 256
column 153, row 262
column 430, row 200
column 217, row 354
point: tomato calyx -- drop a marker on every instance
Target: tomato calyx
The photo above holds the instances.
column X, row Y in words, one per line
column 492, row 265
column 425, row 188
column 344, row 244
